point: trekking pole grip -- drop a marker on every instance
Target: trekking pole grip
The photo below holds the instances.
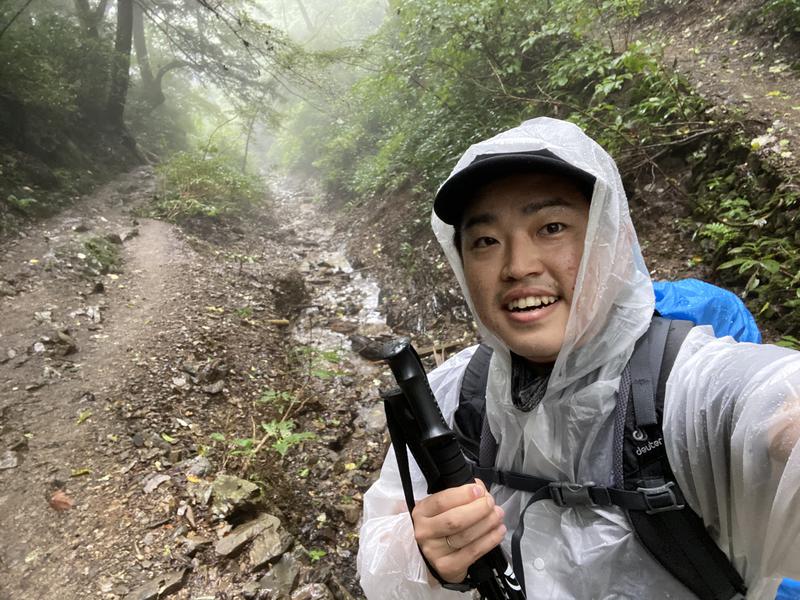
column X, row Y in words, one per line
column 491, row 574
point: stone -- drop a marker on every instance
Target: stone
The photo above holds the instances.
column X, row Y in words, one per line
column 372, row 419
column 351, row 512
column 8, row 460
column 268, row 545
column 159, row 587
column 153, row 481
column 243, row 534
column 114, row 238
column 214, row 388
column 281, row 578
column 192, row 544
column 199, row 466
column 313, row 591
column 7, row 289
column 230, row 493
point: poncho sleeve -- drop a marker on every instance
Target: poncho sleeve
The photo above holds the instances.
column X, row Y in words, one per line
column 731, row 413
column 390, row 565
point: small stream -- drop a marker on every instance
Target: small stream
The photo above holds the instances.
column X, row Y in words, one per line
column 342, row 300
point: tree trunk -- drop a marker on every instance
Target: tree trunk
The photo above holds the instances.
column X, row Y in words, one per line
column 90, row 19
column 250, row 127
column 120, row 68
column 140, row 44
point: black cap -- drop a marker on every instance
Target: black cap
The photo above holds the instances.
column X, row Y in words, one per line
column 454, row 195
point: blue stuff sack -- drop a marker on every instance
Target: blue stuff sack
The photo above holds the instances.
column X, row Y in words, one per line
column 706, row 304
column 789, row 590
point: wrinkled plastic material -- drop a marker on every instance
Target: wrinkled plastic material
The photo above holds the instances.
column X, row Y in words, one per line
column 591, row 552
column 706, row 304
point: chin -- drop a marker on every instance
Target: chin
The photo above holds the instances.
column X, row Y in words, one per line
column 533, row 352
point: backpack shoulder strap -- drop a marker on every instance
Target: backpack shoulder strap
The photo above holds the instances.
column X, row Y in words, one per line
column 677, row 539
column 468, row 420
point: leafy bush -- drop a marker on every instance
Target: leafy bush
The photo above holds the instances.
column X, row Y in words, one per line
column 51, row 67
column 194, row 185
column 752, row 228
column 452, row 73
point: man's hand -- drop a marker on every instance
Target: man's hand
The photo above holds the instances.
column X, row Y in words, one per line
column 455, row 527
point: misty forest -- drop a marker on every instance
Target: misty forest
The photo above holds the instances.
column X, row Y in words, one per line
column 204, row 202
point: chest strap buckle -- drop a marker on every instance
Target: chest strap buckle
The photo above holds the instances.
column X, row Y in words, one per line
column 565, row 493
column 660, row 499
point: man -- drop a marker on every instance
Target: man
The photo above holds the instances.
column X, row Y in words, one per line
column 536, row 226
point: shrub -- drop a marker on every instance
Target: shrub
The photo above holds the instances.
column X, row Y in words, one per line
column 194, row 185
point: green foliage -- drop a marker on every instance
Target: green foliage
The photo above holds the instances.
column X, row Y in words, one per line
column 452, row 73
column 198, row 186
column 284, row 436
column 751, row 230
column 280, row 399
column 26, row 206
column 52, row 68
column 783, row 17
column 315, row 554
column 103, row 254
column 317, row 364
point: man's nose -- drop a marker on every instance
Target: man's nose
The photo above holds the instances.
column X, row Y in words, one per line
column 522, row 259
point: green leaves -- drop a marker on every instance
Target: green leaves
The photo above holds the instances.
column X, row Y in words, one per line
column 284, row 435
column 196, row 185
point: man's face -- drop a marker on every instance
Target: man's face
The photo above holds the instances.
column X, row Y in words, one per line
column 522, row 241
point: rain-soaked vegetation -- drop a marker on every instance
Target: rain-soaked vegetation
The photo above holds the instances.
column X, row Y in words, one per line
column 379, row 98
column 241, row 184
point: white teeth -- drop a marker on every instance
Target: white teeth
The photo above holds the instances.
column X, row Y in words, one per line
column 531, row 301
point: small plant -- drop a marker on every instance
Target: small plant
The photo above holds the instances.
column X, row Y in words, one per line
column 27, row 206
column 284, row 435
column 282, row 400
column 245, row 312
column 241, row 260
column 103, row 254
column 315, row 554
column 317, row 363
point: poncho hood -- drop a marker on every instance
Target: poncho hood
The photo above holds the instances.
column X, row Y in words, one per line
column 568, row 436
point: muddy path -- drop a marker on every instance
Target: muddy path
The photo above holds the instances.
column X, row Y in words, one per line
column 128, row 398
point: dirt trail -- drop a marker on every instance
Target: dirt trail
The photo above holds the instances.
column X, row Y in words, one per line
column 112, row 384
column 56, row 420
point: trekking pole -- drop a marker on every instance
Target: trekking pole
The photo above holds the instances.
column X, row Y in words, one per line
column 415, row 421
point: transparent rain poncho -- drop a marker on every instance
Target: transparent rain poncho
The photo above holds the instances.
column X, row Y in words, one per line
column 724, row 401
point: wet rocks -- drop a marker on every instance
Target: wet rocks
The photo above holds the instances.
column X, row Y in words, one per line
column 312, row 591
column 265, row 535
column 8, row 460
column 159, row 587
column 232, row 493
column 281, row 578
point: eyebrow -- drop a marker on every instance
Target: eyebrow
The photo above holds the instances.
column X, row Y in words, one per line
column 486, row 218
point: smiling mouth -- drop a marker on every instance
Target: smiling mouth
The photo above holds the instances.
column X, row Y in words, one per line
column 531, row 303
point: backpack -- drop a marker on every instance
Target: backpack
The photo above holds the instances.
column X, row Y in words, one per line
column 644, row 485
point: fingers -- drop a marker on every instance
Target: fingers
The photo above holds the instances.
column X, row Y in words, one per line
column 457, row 526
column 465, row 537
column 453, row 566
column 447, row 499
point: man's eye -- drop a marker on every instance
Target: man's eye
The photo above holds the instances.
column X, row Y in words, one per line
column 483, row 242
column 553, row 228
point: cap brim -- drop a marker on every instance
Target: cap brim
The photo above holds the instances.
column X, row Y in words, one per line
column 456, row 193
